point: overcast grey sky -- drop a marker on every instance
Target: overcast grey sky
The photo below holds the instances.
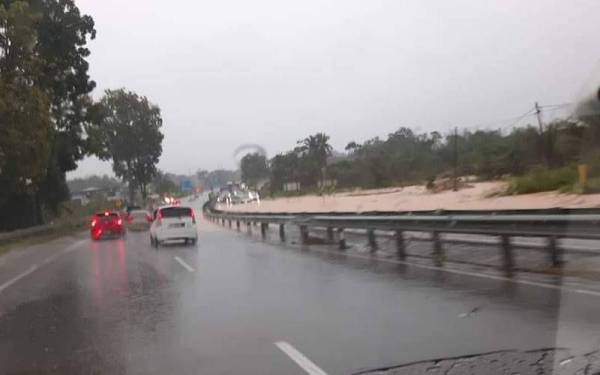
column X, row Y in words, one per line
column 230, row 72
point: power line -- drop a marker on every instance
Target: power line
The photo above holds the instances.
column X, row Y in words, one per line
column 513, row 120
column 519, row 118
column 566, row 104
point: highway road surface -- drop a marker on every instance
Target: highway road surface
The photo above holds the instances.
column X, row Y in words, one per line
column 235, row 304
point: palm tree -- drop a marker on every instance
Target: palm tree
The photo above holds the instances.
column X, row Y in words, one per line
column 317, row 149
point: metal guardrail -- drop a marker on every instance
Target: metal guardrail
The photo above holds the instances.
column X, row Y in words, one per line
column 577, row 224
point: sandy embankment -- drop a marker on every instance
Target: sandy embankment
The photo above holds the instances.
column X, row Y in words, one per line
column 413, row 198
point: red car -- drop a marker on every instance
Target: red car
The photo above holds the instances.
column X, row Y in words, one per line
column 106, row 223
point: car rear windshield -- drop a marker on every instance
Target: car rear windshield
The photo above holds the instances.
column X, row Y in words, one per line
column 110, row 214
column 139, row 213
column 176, row 211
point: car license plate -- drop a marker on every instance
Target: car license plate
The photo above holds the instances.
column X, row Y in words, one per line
column 178, row 225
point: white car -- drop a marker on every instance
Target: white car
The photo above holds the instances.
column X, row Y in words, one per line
column 171, row 223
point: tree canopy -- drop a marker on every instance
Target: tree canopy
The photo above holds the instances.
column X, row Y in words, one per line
column 44, row 88
column 24, row 119
column 128, row 133
column 254, row 168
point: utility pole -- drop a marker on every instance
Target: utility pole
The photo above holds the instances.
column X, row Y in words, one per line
column 538, row 114
column 543, row 145
column 455, row 182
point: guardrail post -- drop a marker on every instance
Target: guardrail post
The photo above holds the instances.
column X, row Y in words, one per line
column 341, row 239
column 330, row 238
column 229, row 223
column 508, row 260
column 223, row 221
column 237, row 225
column 249, row 227
column 372, row 240
column 400, row 249
column 438, row 250
column 282, row 232
column 263, row 229
column 556, row 256
column 304, row 234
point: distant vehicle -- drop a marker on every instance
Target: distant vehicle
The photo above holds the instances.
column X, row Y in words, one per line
column 170, row 223
column 133, row 208
column 107, row 223
column 237, row 197
column 139, row 220
column 224, row 197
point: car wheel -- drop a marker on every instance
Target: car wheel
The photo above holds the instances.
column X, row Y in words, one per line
column 193, row 241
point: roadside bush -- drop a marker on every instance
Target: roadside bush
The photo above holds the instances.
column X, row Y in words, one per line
column 542, row 179
column 592, row 186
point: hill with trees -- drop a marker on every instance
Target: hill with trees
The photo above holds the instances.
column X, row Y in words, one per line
column 535, row 158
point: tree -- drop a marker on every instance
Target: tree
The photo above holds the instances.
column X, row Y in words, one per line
column 62, row 35
column 24, row 127
column 254, row 168
column 314, row 151
column 24, row 119
column 94, row 181
column 352, row 146
column 284, row 168
column 127, row 131
column 163, row 184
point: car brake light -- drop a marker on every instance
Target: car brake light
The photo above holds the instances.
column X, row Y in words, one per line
column 106, row 213
column 94, row 222
column 119, row 222
column 193, row 216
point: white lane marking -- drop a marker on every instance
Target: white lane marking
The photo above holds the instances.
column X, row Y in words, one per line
column 468, row 273
column 10, row 282
column 306, row 364
column 184, row 264
column 35, row 267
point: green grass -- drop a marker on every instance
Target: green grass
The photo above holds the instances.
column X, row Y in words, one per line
column 71, row 220
column 591, row 187
column 60, row 230
column 542, row 179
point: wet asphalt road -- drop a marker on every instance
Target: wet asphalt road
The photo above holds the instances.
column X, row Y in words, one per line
column 122, row 307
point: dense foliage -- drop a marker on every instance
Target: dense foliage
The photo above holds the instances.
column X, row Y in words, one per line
column 217, row 178
column 44, row 89
column 254, row 168
column 127, row 132
column 406, row 157
column 163, row 184
column 48, row 121
column 102, row 182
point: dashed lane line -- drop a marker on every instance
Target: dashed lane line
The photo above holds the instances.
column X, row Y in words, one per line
column 301, row 360
column 184, row 264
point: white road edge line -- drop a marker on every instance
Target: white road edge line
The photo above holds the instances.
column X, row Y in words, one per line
column 10, row 282
column 184, row 264
column 35, row 267
column 468, row 273
column 306, row 364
